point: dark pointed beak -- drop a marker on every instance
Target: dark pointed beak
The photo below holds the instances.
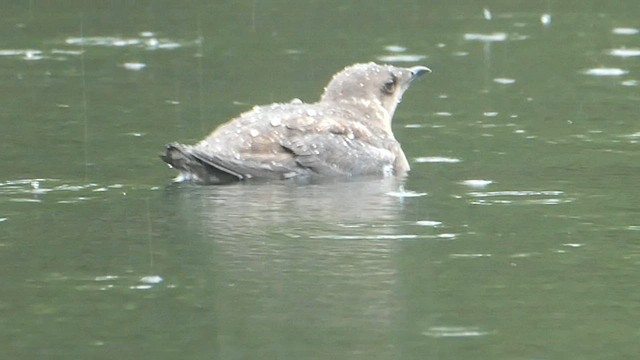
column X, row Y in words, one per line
column 418, row 71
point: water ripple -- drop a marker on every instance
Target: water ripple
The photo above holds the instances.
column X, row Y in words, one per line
column 469, row 256
column 437, row 159
column 443, row 236
column 516, row 193
column 454, row 331
column 148, row 43
column 519, row 197
column 52, row 190
column 367, row 237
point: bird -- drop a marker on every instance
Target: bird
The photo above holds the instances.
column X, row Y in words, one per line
column 347, row 133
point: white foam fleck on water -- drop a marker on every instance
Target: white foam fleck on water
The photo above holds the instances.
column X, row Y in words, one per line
column 168, row 45
column 573, row 245
column 447, row 236
column 413, row 126
column 454, row 331
column 147, row 34
column 487, row 13
column 395, row 48
column 468, row 256
column 630, row 83
column 460, row 53
column 490, row 113
column 498, row 36
column 477, row 183
column 11, row 52
column 365, row 237
column 443, row 113
column 605, row 72
column 402, row 58
column 635, row 135
column 106, row 278
column 293, row 51
column 545, row 19
column 624, row 52
column 33, row 55
column 25, row 200
column 74, row 200
column 504, row 81
column 135, row 66
column 3, row 219
column 67, row 52
column 428, row 223
column 140, row 287
column 101, row 41
column 27, row 54
column 152, row 279
column 522, row 255
column 625, row 31
column 547, row 201
column 436, row 159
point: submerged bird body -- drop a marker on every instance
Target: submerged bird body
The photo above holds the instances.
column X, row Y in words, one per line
column 347, row 133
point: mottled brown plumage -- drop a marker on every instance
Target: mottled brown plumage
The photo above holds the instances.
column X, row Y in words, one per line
column 347, row 133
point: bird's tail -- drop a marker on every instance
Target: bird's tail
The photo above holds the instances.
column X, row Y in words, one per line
column 194, row 167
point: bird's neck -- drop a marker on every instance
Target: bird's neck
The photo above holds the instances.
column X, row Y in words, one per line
column 372, row 113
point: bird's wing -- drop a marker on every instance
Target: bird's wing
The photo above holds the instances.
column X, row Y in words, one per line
column 298, row 141
column 251, row 165
column 331, row 154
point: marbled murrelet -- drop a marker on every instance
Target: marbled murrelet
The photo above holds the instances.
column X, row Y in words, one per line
column 347, row 133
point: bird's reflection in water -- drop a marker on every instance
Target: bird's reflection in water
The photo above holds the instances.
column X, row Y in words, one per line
column 283, row 269
column 290, row 207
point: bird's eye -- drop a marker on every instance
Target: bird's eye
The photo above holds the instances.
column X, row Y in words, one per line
column 390, row 86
